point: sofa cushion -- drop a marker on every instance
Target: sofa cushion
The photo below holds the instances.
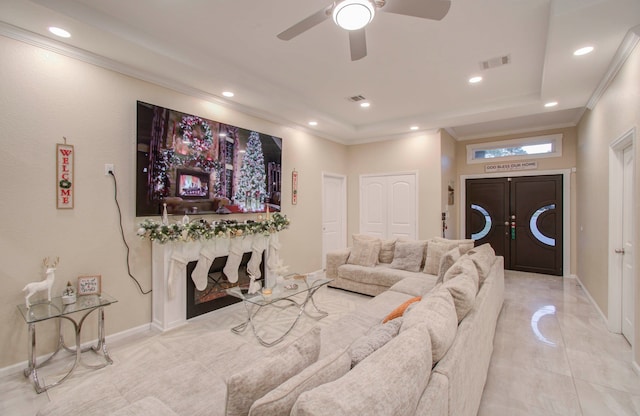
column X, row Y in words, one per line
column 248, row 385
column 381, row 274
column 416, row 285
column 462, row 283
column 438, row 312
column 448, row 259
column 483, row 257
column 408, row 255
column 389, row 382
column 399, row 311
column 435, row 250
column 387, row 248
column 373, row 340
column 464, row 245
column 279, row 401
column 365, row 251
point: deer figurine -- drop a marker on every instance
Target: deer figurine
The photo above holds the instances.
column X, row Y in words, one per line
column 45, row 284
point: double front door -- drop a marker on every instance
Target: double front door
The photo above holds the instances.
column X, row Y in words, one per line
column 521, row 218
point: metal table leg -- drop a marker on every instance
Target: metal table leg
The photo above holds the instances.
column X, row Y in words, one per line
column 32, row 369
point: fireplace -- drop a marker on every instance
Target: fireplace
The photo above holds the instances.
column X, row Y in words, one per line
column 214, row 296
column 169, row 268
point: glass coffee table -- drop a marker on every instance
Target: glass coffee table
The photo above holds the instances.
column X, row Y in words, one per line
column 281, row 293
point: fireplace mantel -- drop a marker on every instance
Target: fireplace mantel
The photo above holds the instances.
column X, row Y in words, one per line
column 168, row 272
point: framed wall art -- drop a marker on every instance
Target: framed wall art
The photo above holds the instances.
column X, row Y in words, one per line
column 89, row 285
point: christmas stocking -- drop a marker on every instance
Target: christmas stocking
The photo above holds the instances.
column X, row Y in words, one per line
column 274, row 247
column 201, row 272
column 233, row 260
column 259, row 244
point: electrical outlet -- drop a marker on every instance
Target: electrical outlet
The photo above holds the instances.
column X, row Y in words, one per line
column 108, row 168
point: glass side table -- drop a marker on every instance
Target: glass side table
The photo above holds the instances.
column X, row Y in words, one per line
column 46, row 310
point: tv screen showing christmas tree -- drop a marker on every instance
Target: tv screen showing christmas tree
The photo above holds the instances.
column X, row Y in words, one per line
column 192, row 165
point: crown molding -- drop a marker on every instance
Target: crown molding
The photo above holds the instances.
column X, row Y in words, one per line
column 629, row 42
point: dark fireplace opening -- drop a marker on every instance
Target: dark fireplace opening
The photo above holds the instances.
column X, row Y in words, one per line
column 214, row 296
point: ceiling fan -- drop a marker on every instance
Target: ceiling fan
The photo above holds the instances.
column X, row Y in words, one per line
column 354, row 15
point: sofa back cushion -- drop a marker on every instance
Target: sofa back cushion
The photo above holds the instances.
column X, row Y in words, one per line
column 448, row 259
column 365, row 250
column 461, row 280
column 464, row 244
column 435, row 250
column 248, row 385
column 387, row 248
column 279, row 401
column 483, row 257
column 388, row 382
column 408, row 255
column 438, row 312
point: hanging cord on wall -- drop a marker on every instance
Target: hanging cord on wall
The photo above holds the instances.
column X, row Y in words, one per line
column 124, row 240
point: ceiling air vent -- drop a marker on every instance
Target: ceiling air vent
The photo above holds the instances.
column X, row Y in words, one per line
column 356, row 98
column 495, row 62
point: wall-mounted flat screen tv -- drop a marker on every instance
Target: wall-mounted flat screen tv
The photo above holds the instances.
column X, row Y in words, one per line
column 193, row 165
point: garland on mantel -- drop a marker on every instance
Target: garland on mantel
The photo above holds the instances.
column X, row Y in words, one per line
column 201, row 229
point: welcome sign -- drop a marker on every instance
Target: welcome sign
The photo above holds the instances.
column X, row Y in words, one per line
column 64, row 175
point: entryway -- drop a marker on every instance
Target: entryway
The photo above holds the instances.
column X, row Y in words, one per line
column 521, row 217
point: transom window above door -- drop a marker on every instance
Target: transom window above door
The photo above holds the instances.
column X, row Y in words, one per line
column 515, row 149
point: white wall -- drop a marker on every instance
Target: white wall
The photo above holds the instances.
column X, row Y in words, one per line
column 45, row 96
column 421, row 153
column 617, row 111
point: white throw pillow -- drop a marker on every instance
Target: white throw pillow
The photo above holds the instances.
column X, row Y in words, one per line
column 408, row 256
column 365, row 251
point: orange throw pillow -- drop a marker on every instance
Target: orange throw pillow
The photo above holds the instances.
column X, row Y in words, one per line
column 399, row 311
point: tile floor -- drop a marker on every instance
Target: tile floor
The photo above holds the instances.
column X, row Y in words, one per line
column 553, row 356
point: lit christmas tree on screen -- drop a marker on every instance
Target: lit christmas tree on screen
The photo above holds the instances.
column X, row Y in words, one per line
column 251, row 183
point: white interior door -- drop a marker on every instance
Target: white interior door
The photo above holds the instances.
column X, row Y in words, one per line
column 388, row 205
column 402, row 203
column 627, row 246
column 373, row 207
column 334, row 214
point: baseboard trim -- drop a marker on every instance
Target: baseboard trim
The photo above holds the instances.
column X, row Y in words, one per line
column 20, row 366
column 593, row 302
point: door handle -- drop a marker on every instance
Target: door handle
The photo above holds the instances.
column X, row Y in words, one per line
column 619, row 251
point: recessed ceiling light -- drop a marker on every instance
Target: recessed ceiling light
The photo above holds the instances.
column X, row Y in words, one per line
column 414, row 128
column 475, row 80
column 59, row 32
column 551, row 104
column 583, row 51
column 313, row 123
column 228, row 94
column 365, row 105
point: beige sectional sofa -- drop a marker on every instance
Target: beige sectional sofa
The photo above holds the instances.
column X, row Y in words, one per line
column 372, row 265
column 431, row 358
column 386, row 382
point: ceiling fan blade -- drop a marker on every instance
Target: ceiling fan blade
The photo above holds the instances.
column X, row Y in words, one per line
column 306, row 24
column 358, row 44
column 425, row 9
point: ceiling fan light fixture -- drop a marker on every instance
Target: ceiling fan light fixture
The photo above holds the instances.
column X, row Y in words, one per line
column 353, row 14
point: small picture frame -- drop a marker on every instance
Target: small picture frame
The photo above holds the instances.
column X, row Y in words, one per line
column 89, row 285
